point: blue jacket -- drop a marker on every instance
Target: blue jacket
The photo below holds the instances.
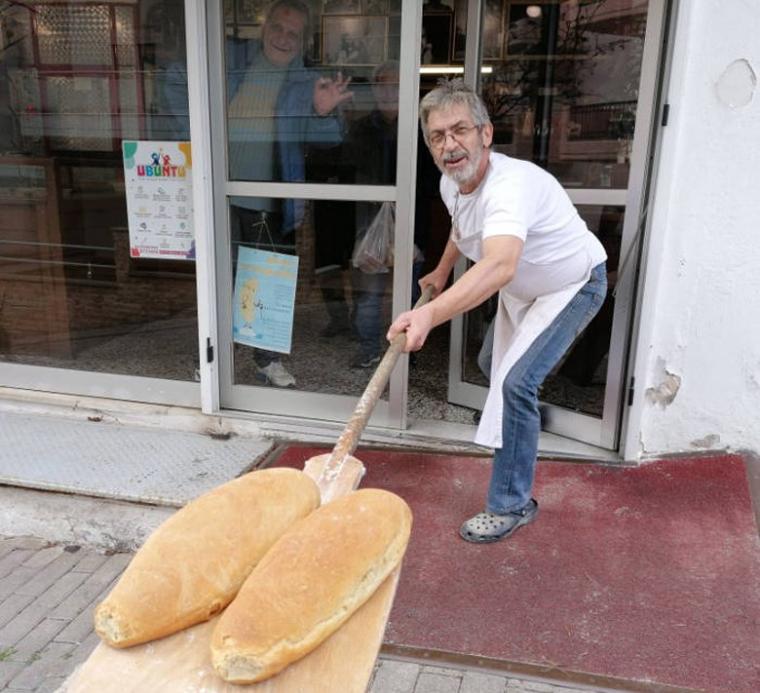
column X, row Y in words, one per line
column 297, row 123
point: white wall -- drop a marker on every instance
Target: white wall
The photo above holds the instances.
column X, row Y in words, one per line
column 697, row 358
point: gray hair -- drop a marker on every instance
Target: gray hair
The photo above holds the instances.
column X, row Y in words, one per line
column 298, row 6
column 450, row 92
column 389, row 67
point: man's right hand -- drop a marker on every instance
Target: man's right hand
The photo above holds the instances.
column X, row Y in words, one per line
column 417, row 324
column 330, row 93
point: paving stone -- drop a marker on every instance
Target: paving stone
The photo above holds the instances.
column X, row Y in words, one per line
column 521, row 686
column 81, row 627
column 60, row 592
column 441, row 670
column 13, row 559
column 16, row 578
column 91, row 588
column 50, row 664
column 475, row 682
column 37, row 639
column 9, row 670
column 395, row 677
column 529, row 686
column 8, row 544
column 11, row 606
column 44, row 556
column 21, row 624
column 437, row 683
column 373, row 674
column 90, row 562
column 50, row 685
column 82, row 652
column 49, row 574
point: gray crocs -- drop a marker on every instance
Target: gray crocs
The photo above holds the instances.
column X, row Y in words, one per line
column 486, row 527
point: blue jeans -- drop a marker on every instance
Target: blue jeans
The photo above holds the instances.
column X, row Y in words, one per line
column 514, row 463
column 368, row 293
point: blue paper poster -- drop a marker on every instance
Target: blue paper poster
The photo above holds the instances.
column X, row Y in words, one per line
column 264, row 299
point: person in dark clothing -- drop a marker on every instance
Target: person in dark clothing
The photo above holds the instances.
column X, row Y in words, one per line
column 372, row 147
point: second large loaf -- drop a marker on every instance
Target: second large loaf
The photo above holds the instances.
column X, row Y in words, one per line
column 309, row 583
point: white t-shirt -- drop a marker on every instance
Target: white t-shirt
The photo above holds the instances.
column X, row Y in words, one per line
column 518, row 198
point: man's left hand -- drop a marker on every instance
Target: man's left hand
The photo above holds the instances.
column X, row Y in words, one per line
column 330, row 93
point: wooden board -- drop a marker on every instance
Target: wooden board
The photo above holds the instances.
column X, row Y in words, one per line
column 182, row 662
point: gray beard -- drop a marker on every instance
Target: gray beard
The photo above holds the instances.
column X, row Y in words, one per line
column 463, row 175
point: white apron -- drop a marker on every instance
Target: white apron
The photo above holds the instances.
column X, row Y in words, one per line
column 517, row 325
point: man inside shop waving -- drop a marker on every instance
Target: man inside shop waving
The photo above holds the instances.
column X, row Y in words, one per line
column 518, row 226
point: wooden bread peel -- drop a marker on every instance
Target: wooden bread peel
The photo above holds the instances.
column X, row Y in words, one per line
column 338, row 472
column 344, row 662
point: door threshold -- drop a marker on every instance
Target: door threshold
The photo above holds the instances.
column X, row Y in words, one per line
column 433, row 436
column 550, row 445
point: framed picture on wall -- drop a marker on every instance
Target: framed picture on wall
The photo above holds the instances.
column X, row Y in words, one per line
column 341, row 6
column 354, row 40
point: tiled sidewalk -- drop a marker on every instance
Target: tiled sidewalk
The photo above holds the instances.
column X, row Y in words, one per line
column 47, row 594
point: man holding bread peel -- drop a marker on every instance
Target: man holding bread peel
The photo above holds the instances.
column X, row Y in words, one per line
column 518, row 226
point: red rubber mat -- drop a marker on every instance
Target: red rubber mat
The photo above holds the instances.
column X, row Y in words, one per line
column 647, row 574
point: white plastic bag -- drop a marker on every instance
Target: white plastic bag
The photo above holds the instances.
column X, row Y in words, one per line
column 373, row 252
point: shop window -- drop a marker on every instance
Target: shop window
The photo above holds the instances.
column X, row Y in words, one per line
column 76, row 80
column 274, row 126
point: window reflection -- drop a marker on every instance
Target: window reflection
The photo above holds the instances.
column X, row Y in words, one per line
column 75, row 80
column 564, row 85
column 297, row 80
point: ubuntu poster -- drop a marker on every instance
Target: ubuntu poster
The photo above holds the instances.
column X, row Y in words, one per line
column 158, row 185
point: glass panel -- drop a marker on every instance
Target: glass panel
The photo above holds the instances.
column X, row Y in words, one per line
column 75, row 79
column 578, row 382
column 288, row 97
column 341, row 311
column 564, row 83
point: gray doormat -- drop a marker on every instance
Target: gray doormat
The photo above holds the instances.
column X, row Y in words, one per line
column 123, row 462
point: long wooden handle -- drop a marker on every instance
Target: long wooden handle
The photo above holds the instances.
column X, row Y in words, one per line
column 350, row 437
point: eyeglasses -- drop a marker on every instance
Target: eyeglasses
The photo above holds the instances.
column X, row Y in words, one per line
column 438, row 138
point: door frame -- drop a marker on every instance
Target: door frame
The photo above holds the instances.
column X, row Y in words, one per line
column 602, row 432
column 209, row 103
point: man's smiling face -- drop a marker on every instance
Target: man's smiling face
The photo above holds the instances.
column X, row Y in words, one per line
column 283, row 35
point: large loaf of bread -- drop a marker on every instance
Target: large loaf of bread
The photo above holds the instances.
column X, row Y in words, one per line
column 309, row 583
column 193, row 565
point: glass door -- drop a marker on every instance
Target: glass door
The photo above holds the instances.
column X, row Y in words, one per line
column 570, row 86
column 312, row 213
